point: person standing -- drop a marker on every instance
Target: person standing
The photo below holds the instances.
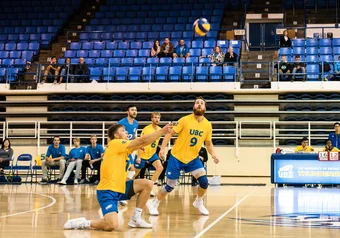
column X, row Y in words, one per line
column 6, row 155
column 335, row 136
column 285, row 40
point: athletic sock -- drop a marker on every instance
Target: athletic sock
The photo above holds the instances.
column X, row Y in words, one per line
column 88, row 223
column 156, row 201
column 199, row 198
column 137, row 213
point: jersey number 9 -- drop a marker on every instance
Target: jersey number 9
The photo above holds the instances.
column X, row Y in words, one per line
column 193, row 141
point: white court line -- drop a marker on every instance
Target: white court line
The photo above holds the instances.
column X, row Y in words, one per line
column 223, row 215
column 34, row 210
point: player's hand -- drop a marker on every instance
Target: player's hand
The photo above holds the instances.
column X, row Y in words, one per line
column 91, row 162
column 72, row 159
column 167, row 128
column 161, row 154
column 138, row 160
column 216, row 159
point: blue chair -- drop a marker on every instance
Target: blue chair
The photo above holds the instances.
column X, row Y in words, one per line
column 215, row 73
column 108, row 74
column 94, row 53
column 188, row 35
column 130, row 36
column 298, row 43
column 153, row 61
column 4, row 54
column 147, row 45
column 312, row 58
column 312, row 51
column 118, row 36
column 336, row 42
column 195, row 52
column 175, row 73
column 27, row 54
column 27, row 158
column 87, row 46
column 223, row 43
column 197, row 44
column 326, row 58
column 144, row 53
column 191, row 60
column 99, row 45
column 123, row 45
column 106, row 36
column 209, row 44
column 111, row 45
column 34, row 46
column 75, row 46
column 336, row 51
column 136, row 45
column 188, row 73
column 141, row 36
column 235, row 43
column 96, row 73
column 135, row 74
column 312, row 43
column 161, row 73
column 325, row 42
column 202, row 73
column 139, row 61
column 82, row 53
column 20, row 62
column 285, row 51
column 22, row 46
column 148, row 73
column 7, row 62
column 69, row 54
column 229, row 73
column 15, row 54
column 312, row 72
column 122, row 73
column 101, row 62
column 131, row 53
column 114, row 62
column 207, row 51
column 126, row 62
column 10, row 46
column 176, row 34
column 24, row 37
column 2, row 46
column 178, row 61
column 2, row 74
column 165, row 61
column 12, row 74
column 326, row 51
column 108, row 53
column 299, row 51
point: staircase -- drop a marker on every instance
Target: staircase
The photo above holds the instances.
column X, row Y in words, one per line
column 255, row 73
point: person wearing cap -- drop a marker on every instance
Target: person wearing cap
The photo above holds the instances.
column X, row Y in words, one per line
column 335, row 136
column 299, row 69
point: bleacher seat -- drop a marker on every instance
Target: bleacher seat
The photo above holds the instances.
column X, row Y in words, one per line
column 215, row 73
column 202, row 73
column 229, row 73
column 161, row 73
column 122, row 73
column 175, row 73
column 312, row 72
column 95, row 73
column 135, row 74
column 108, row 74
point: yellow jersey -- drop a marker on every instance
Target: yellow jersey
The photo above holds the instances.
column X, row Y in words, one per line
column 150, row 149
column 299, row 148
column 191, row 136
column 113, row 170
column 333, row 150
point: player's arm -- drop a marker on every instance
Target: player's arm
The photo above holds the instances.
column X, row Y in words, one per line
column 165, row 142
column 63, row 154
column 148, row 139
column 211, row 150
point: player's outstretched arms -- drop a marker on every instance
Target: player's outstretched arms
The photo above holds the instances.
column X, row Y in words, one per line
column 210, row 147
column 165, row 142
column 148, row 139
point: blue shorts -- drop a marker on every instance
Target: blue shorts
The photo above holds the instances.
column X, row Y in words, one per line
column 108, row 200
column 141, row 165
column 175, row 166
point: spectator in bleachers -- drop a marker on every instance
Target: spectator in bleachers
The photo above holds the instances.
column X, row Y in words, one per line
column 337, row 68
column 156, row 48
column 65, row 69
column 299, row 68
column 93, row 158
column 167, row 49
column 230, row 57
column 217, row 57
column 75, row 159
column 284, row 68
column 285, row 40
column 6, row 155
column 81, row 72
column 329, row 147
column 55, row 156
column 304, row 147
column 52, row 71
column 182, row 50
column 335, row 136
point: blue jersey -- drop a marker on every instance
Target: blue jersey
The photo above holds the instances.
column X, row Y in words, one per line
column 56, row 152
column 96, row 152
column 77, row 153
column 130, row 128
column 335, row 138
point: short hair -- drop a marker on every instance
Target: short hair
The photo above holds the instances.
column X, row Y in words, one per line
column 93, row 136
column 200, row 97
column 283, row 56
column 336, row 123
column 54, row 57
column 304, row 138
column 56, row 137
column 328, row 140
column 297, row 57
column 155, row 114
column 76, row 139
column 130, row 106
column 112, row 130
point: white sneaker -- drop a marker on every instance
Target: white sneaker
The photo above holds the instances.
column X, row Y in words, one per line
column 62, row 182
column 139, row 223
column 123, row 203
column 75, row 182
column 77, row 223
column 200, row 206
column 152, row 206
column 152, row 194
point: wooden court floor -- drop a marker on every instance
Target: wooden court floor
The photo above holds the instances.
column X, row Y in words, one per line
column 32, row 210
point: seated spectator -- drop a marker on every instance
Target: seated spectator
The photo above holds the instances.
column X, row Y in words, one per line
column 167, row 49
column 6, row 155
column 93, row 158
column 230, row 57
column 337, row 69
column 329, row 147
column 155, row 49
column 65, row 69
column 75, row 159
column 284, row 68
column 299, row 68
column 182, row 50
column 335, row 136
column 81, row 72
column 52, row 71
column 203, row 155
column 217, row 57
column 55, row 155
column 304, row 147
column 285, row 40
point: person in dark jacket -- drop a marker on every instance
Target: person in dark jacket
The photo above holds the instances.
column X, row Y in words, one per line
column 81, row 72
column 6, row 154
column 167, row 49
column 335, row 136
column 285, row 40
column 230, row 57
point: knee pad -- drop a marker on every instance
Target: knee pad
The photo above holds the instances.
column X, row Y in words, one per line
column 203, row 181
column 169, row 186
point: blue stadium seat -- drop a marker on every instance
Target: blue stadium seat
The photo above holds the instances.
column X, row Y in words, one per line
column 144, row 53
column 175, row 73
column 215, row 73
column 99, row 45
column 188, row 35
column 312, row 72
column 165, row 61
column 326, row 51
column 229, row 73
column 336, row 42
column 82, row 53
column 135, row 74
column 311, row 51
column 12, row 74
column 108, row 53
column 148, row 73
column 312, row 43
column 188, row 73
column 96, row 73
column 15, row 54
column 197, row 44
column 118, row 35
column 153, row 61
column 24, row 37
column 325, row 42
column 126, row 62
column 336, row 50
column 101, row 61
column 285, row 51
column 131, row 53
column 87, row 46
column 139, row 61
column 326, row 58
column 34, row 37
column 111, row 45
column 61, row 61
column 94, row 53
column 106, row 36
column 7, row 62
column 123, row 45
column 2, row 46
column 207, row 51
column 75, row 46
column 312, row 58
column 202, row 73
column 209, row 44
column 161, row 73
column 299, row 51
column 235, row 43
column 195, row 52
column 4, row 54
column 223, row 43
column 10, row 46
column 22, row 46
column 178, row 61
column 147, row 45
column 27, row 54
column 298, row 43
column 136, row 45
column 176, row 34
column 191, row 60
column 141, row 36
column 121, row 73
column 108, row 74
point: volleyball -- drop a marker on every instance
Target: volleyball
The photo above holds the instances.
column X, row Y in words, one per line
column 201, row 26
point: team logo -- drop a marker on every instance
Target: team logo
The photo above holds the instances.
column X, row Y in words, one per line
column 108, row 207
column 286, row 172
column 123, row 142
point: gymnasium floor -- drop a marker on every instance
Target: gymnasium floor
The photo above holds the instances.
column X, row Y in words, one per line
column 32, row 210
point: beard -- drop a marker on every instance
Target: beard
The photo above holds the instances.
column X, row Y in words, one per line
column 199, row 111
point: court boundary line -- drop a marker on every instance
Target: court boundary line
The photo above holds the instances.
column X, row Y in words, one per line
column 36, row 209
column 223, row 215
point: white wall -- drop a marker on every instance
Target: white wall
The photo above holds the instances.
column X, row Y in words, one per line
column 310, row 32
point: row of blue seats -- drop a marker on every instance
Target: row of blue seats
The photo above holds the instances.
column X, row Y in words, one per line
column 333, row 96
column 20, row 46
column 38, row 3
column 324, row 42
column 165, row 73
column 30, row 17
column 34, row 22
column 154, row 14
column 157, row 20
column 47, row 37
column 29, row 29
column 310, row 51
column 9, row 74
column 310, row 108
column 144, row 36
column 312, row 58
column 196, row 44
column 26, row 54
column 146, row 28
column 12, row 62
column 119, row 53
